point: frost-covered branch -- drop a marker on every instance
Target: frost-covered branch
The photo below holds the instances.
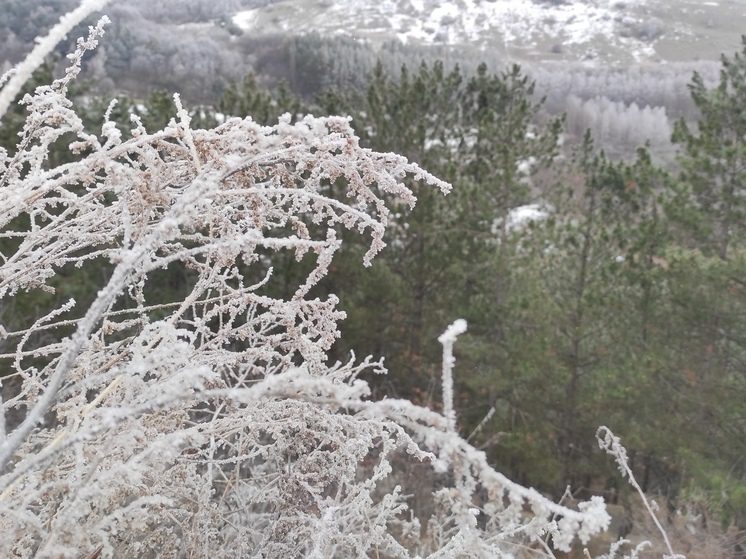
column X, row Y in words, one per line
column 447, row 339
column 613, row 446
column 44, row 47
column 211, row 423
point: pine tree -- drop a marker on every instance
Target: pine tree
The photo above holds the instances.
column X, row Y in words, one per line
column 714, row 156
column 707, row 283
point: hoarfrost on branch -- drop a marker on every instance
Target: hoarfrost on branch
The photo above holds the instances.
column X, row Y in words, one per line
column 214, row 424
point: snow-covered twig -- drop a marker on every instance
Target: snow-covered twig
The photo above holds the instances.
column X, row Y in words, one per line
column 613, row 446
column 447, row 339
column 44, row 46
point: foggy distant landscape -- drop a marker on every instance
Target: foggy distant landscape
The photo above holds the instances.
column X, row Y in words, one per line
column 607, row 64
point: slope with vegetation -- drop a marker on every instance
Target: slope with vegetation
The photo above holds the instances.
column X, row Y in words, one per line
column 618, row 302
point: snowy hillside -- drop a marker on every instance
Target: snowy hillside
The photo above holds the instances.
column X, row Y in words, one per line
column 613, row 30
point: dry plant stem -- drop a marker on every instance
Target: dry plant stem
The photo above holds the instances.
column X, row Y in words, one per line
column 12, row 441
column 612, row 445
column 447, row 339
column 45, row 46
column 480, row 425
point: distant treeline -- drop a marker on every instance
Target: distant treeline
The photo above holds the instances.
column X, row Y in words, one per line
column 194, row 48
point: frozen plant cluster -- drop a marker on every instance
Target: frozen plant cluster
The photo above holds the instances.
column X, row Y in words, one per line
column 213, row 425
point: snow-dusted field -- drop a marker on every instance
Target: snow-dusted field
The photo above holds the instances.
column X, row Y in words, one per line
column 610, row 30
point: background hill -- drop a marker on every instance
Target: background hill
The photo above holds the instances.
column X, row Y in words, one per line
column 608, row 31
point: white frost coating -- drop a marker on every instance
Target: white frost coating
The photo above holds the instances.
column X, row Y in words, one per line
column 214, row 425
column 447, row 339
column 44, row 46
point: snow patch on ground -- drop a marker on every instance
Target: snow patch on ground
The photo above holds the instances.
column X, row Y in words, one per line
column 246, row 19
